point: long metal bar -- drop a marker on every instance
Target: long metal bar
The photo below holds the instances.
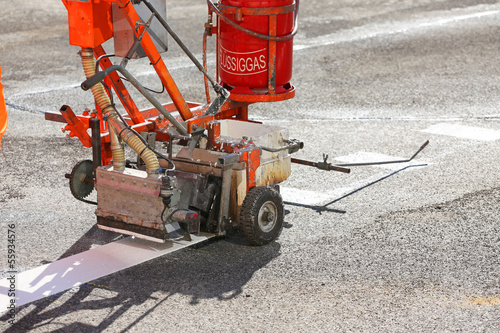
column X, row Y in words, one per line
column 292, row 146
column 386, row 162
column 205, row 80
column 321, row 165
column 90, row 82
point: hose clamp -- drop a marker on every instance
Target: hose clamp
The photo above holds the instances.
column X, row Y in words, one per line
column 87, row 52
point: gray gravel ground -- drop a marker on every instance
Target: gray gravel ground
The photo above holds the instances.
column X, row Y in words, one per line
column 414, row 248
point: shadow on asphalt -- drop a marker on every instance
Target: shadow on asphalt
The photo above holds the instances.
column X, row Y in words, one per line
column 372, row 183
column 217, row 269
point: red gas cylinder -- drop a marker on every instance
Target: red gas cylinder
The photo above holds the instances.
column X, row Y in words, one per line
column 252, row 63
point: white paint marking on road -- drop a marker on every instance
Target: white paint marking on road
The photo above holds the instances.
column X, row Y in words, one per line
column 305, row 197
column 80, row 268
column 396, row 27
column 464, row 132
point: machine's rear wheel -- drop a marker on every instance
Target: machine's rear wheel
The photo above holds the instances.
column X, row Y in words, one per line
column 261, row 216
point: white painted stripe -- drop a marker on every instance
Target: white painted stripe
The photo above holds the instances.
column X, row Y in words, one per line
column 83, row 267
column 305, row 197
column 464, row 132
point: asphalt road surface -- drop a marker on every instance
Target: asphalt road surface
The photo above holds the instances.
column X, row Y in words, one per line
column 412, row 247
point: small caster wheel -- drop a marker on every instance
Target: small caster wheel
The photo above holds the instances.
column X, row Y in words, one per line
column 261, row 216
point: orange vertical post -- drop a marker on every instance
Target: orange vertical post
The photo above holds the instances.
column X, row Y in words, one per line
column 3, row 111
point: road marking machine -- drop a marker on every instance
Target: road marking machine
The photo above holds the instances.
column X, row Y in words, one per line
column 200, row 167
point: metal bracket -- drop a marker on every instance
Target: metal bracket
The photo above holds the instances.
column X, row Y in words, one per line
column 226, row 162
column 150, row 138
column 196, row 135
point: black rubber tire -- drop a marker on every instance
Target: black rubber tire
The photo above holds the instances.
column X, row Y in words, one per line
column 266, row 204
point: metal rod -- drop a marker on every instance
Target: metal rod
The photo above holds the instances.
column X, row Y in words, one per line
column 205, row 81
column 386, row 162
column 90, row 82
column 321, row 165
column 294, row 145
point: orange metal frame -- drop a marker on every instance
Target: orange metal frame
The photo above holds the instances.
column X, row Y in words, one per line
column 90, row 25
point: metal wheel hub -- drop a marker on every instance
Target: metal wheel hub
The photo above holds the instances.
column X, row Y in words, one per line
column 267, row 216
